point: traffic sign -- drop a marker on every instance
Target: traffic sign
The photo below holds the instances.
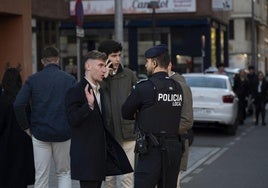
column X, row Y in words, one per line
column 80, row 32
column 79, row 13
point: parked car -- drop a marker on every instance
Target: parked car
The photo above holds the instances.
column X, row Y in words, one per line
column 230, row 72
column 214, row 102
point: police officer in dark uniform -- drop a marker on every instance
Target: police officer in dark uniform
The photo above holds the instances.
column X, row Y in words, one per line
column 156, row 104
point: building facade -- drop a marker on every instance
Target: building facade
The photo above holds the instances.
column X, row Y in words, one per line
column 195, row 31
column 248, row 38
column 15, row 35
column 197, row 34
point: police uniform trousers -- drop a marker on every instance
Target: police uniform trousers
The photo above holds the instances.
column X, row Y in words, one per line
column 149, row 166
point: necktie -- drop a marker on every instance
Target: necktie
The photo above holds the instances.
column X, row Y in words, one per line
column 259, row 87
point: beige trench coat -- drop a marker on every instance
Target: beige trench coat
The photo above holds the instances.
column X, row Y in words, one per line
column 186, row 122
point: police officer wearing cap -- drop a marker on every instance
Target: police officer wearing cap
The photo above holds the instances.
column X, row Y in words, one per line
column 156, row 104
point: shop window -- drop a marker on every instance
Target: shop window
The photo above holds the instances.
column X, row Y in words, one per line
column 213, row 47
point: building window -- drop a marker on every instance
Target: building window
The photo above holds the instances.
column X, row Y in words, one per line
column 231, row 29
column 248, row 30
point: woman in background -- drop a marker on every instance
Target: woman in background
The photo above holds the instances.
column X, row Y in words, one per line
column 16, row 159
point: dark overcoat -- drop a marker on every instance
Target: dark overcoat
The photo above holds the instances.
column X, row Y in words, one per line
column 16, row 150
column 94, row 152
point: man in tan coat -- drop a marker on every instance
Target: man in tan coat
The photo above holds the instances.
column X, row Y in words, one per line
column 186, row 122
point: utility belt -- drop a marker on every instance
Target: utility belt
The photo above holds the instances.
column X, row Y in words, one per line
column 167, row 136
column 146, row 140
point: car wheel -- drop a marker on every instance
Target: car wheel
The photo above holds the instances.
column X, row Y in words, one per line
column 231, row 129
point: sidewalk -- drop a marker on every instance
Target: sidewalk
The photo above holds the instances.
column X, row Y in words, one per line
column 197, row 155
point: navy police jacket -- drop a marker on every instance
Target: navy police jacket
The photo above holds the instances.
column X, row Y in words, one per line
column 156, row 104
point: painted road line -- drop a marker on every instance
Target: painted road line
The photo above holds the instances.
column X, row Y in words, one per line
column 200, row 161
column 216, row 156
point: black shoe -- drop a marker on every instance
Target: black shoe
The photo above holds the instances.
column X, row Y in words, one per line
column 263, row 124
column 256, row 123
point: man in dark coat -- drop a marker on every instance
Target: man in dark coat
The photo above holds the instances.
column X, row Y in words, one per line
column 241, row 88
column 94, row 152
column 260, row 96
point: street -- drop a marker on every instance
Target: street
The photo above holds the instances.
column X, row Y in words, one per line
column 219, row 160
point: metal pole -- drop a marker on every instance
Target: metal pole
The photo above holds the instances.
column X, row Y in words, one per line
column 118, row 24
column 153, row 5
column 78, row 59
column 253, row 53
column 153, row 19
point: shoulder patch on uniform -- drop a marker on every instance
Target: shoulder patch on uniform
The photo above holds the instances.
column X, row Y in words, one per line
column 142, row 80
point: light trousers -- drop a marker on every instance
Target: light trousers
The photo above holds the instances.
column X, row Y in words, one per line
column 125, row 180
column 179, row 180
column 43, row 152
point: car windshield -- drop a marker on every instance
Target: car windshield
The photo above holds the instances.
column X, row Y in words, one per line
column 209, row 82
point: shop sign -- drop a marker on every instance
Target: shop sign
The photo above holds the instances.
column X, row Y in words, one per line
column 104, row 7
column 220, row 5
column 79, row 13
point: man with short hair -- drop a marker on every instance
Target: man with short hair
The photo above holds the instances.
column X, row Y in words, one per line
column 156, row 104
column 117, row 87
column 221, row 69
column 95, row 154
column 186, row 123
column 48, row 127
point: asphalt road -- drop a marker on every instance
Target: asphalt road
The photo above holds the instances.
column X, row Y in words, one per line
column 239, row 161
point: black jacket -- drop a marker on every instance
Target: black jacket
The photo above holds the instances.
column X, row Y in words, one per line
column 145, row 102
column 16, row 158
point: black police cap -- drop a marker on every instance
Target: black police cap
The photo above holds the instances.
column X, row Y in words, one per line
column 156, row 50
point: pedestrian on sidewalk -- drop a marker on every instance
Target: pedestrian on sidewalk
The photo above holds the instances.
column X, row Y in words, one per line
column 241, row 89
column 156, row 105
column 16, row 158
column 186, row 123
column 95, row 153
column 252, row 82
column 117, row 87
column 48, row 127
column 260, row 97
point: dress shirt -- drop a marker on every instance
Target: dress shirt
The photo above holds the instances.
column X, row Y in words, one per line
column 259, row 86
column 96, row 91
